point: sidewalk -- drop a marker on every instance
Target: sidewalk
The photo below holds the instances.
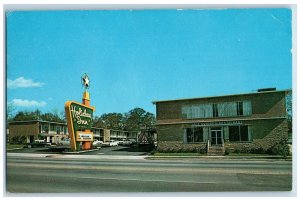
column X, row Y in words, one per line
column 263, row 157
column 75, row 156
column 148, row 157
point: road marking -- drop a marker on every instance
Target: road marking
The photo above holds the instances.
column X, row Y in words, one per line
column 119, row 179
column 166, row 170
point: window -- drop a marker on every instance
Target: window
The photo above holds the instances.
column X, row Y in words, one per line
column 194, row 135
column 239, row 108
column 238, row 133
column 234, row 133
column 209, row 110
column 244, row 133
column 46, row 128
column 215, row 110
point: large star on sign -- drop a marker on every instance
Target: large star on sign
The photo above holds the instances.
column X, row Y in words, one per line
column 86, row 81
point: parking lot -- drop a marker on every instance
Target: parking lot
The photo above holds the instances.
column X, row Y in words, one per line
column 116, row 150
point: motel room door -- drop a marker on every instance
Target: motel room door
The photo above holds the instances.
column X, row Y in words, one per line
column 216, row 135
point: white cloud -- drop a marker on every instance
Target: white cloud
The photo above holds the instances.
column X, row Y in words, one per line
column 21, row 82
column 28, row 103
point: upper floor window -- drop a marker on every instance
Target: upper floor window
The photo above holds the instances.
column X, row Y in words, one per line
column 239, row 108
column 215, row 110
column 225, row 109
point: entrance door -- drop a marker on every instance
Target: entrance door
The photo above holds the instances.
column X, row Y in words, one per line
column 216, row 136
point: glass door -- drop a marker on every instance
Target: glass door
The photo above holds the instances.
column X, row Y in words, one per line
column 216, row 136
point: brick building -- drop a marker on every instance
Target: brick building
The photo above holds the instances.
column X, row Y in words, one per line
column 215, row 124
column 54, row 132
column 32, row 130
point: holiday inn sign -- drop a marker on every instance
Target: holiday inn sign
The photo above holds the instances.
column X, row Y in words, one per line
column 79, row 118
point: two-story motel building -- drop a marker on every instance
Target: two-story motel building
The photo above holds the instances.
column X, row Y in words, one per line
column 55, row 132
column 228, row 121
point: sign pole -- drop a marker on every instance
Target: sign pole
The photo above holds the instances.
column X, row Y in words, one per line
column 80, row 120
column 86, row 101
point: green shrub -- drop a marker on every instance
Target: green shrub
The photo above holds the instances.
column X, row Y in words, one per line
column 179, row 147
column 280, row 148
column 18, row 140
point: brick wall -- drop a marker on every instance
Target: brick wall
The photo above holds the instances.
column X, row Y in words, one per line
column 106, row 134
column 169, row 133
column 264, row 105
column 24, row 129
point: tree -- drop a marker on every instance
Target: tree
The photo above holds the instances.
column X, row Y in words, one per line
column 110, row 120
column 51, row 117
column 9, row 111
column 289, row 109
column 38, row 115
column 137, row 118
column 26, row 116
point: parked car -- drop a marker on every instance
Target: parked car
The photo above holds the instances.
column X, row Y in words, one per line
column 125, row 142
column 65, row 142
column 97, row 143
column 110, row 143
column 38, row 143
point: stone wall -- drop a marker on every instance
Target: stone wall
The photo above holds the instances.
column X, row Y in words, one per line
column 278, row 134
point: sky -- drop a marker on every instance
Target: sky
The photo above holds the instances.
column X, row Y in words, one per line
column 134, row 57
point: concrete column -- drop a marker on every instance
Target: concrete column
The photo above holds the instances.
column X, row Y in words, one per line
column 250, row 133
column 184, row 136
column 205, row 134
column 226, row 133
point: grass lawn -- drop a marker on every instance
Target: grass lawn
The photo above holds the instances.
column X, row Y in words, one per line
column 13, row 146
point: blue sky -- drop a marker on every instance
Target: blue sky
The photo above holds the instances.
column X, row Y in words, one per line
column 136, row 57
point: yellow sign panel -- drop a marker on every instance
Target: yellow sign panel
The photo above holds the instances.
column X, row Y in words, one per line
column 83, row 136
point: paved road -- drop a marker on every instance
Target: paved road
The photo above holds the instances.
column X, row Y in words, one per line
column 66, row 174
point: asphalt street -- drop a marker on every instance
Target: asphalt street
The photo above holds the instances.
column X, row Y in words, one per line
column 57, row 173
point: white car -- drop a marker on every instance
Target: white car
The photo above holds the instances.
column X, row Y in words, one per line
column 65, row 142
column 110, row 143
column 125, row 142
column 97, row 143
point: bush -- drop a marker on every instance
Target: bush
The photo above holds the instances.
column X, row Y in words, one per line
column 18, row 140
column 280, row 148
column 179, row 147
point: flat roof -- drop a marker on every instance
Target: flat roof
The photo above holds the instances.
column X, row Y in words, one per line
column 61, row 123
column 36, row 120
column 208, row 97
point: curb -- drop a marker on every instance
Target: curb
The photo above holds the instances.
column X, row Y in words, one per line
column 15, row 149
column 78, row 152
column 75, row 156
column 220, row 157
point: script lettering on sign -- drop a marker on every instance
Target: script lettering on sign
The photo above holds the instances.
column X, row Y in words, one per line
column 79, row 118
column 78, row 113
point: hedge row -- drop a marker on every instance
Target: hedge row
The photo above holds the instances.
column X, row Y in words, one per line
column 179, row 147
column 18, row 140
column 278, row 147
